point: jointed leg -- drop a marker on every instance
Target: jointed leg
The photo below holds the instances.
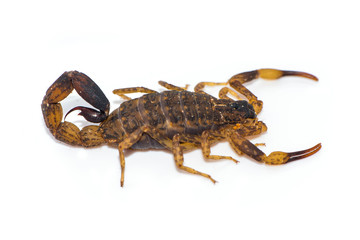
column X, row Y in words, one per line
column 172, row 87
column 179, row 159
column 224, row 92
column 125, row 144
column 201, row 85
column 205, row 147
column 121, row 91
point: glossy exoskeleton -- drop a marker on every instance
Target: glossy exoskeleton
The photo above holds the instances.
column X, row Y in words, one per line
column 176, row 120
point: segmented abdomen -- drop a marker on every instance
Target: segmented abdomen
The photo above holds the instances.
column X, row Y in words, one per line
column 168, row 112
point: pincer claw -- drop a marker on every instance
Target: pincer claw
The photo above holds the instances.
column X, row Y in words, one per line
column 276, row 158
column 303, row 154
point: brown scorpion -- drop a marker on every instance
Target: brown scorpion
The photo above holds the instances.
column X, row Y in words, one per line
column 177, row 120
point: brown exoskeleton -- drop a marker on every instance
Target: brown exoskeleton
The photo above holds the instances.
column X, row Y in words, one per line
column 176, row 120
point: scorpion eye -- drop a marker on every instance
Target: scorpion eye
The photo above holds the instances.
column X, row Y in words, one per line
column 239, row 105
column 244, row 107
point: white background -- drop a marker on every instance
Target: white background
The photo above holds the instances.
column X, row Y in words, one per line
column 53, row 191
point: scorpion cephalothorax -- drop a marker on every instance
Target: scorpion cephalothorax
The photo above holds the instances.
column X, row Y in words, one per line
column 176, row 120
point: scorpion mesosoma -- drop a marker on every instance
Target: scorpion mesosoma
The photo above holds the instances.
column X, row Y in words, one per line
column 177, row 120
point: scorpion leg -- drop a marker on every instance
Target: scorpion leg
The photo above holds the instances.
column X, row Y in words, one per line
column 205, row 147
column 52, row 111
column 179, row 159
column 125, row 144
column 225, row 90
column 201, row 85
column 121, row 91
column 173, row 87
column 245, row 146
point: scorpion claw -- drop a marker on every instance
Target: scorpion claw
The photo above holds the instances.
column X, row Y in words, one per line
column 300, row 74
column 272, row 74
column 281, row 157
column 303, row 154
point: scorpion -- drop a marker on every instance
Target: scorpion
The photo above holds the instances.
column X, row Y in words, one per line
column 176, row 119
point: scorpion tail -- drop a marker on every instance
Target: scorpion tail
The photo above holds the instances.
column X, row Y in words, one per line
column 67, row 132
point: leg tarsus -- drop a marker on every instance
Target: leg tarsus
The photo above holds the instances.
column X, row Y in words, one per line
column 225, row 90
column 201, row 85
column 122, row 165
column 172, row 87
column 260, row 144
column 179, row 159
column 123, row 96
column 121, row 91
column 125, row 144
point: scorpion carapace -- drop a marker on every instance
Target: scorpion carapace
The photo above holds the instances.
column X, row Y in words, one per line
column 177, row 120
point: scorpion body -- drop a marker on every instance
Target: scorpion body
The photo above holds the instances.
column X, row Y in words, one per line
column 176, row 120
column 173, row 112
